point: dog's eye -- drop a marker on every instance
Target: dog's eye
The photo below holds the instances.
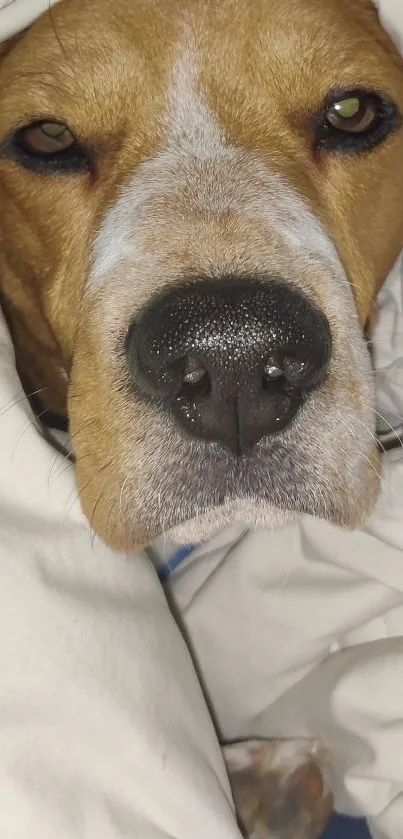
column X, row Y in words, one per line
column 355, row 121
column 354, row 114
column 48, row 146
column 46, row 138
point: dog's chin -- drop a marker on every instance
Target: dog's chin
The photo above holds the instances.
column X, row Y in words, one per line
column 248, row 514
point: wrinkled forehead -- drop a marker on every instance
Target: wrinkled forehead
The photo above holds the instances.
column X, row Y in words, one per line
column 108, row 69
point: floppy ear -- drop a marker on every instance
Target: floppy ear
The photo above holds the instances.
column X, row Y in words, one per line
column 7, row 46
column 391, row 18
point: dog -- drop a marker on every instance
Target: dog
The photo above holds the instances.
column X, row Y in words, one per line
column 199, row 204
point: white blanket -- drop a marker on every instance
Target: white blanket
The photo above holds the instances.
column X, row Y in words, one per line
column 104, row 732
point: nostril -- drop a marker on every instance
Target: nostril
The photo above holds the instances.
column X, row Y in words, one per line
column 300, row 372
column 273, row 369
column 306, row 370
column 194, row 371
column 297, row 368
column 196, row 381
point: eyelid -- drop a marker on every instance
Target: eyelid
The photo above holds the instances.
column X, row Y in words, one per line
column 327, row 138
column 75, row 160
column 34, row 119
column 34, row 139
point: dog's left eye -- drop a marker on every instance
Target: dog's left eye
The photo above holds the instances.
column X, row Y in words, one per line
column 46, row 138
column 355, row 121
column 49, row 147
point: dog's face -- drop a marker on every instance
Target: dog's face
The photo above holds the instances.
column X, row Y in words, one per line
column 199, row 203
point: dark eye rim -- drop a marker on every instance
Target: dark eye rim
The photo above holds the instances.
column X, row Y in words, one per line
column 74, row 160
column 328, row 138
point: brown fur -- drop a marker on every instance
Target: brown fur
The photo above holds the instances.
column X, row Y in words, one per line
column 105, row 71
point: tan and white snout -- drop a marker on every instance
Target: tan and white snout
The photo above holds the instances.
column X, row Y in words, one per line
column 229, row 321
column 209, row 198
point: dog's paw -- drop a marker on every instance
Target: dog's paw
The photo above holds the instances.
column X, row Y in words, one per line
column 281, row 788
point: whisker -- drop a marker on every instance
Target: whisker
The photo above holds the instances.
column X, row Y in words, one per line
column 398, row 437
column 373, row 467
column 22, row 398
column 83, row 427
column 121, row 495
column 50, row 12
column 92, row 529
column 83, row 488
column 375, row 340
column 70, row 464
column 26, row 428
column 371, row 433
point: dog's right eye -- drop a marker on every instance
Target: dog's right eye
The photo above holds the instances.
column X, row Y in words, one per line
column 355, row 121
column 48, row 146
column 353, row 114
column 46, row 138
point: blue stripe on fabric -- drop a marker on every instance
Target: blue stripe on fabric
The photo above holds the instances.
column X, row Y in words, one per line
column 175, row 561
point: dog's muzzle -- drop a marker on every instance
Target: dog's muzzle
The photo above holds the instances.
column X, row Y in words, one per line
column 233, row 360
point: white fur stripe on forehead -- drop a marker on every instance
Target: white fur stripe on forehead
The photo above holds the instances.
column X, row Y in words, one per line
column 202, row 176
column 189, row 121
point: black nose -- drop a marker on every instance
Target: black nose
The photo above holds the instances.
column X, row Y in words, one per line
column 233, row 360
